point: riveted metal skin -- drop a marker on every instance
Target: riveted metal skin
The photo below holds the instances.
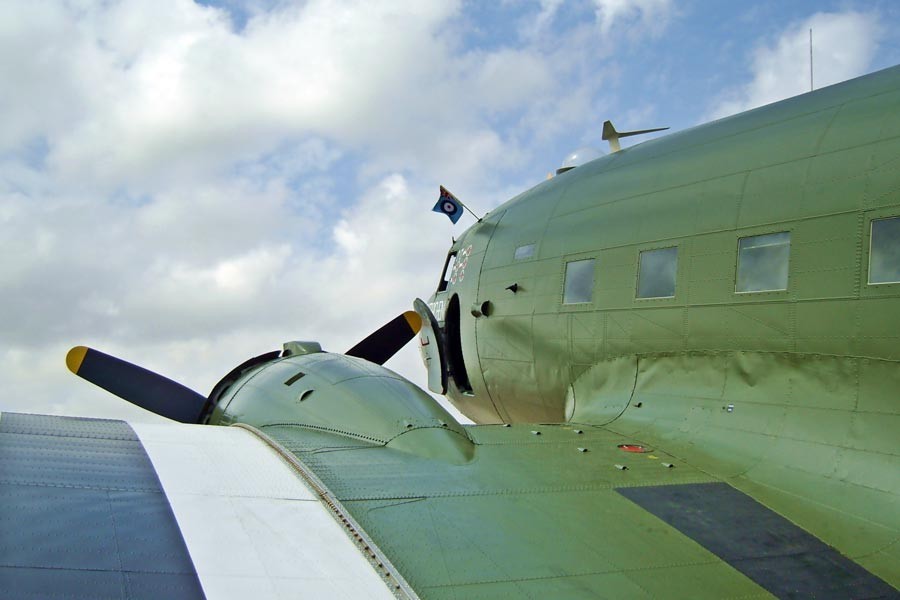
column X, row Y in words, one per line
column 534, row 516
column 86, row 516
column 529, row 516
column 789, row 395
column 345, row 395
column 766, row 547
column 820, row 166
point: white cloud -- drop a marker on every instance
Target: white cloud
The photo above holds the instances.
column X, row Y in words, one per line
column 232, row 281
column 843, row 47
column 133, row 87
column 651, row 15
column 535, row 25
column 507, row 76
column 377, row 260
column 147, row 94
column 186, row 193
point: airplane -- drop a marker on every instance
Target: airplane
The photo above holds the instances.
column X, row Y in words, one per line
column 683, row 364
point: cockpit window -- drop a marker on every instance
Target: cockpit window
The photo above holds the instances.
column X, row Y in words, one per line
column 448, row 270
column 579, row 285
column 656, row 276
column 523, row 252
column 763, row 262
column 884, row 253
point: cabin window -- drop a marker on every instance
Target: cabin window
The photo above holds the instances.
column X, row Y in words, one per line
column 656, row 273
column 763, row 262
column 884, row 251
column 448, row 270
column 579, row 286
column 523, row 252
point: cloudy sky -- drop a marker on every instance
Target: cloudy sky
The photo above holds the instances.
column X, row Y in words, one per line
column 188, row 184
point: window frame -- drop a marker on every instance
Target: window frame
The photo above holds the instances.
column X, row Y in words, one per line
column 565, row 265
column 870, row 232
column 444, row 281
column 737, row 261
column 525, row 245
column 637, row 281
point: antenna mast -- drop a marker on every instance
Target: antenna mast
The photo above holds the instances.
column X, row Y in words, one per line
column 612, row 136
column 810, row 61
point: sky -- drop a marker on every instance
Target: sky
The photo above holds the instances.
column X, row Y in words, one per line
column 189, row 184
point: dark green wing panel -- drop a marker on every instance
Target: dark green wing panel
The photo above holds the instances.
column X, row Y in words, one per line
column 549, row 511
column 761, row 544
column 535, row 514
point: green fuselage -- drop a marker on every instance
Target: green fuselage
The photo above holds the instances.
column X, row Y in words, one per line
column 769, row 354
column 820, row 167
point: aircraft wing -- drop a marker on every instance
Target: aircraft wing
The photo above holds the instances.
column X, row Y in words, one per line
column 567, row 511
column 93, row 508
column 284, row 511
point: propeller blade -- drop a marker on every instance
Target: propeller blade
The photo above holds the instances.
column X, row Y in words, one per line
column 382, row 344
column 137, row 385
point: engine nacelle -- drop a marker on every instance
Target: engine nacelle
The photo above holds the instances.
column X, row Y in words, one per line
column 344, row 395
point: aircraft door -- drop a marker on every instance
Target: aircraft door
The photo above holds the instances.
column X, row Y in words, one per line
column 455, row 305
column 517, row 306
column 456, row 364
column 431, row 344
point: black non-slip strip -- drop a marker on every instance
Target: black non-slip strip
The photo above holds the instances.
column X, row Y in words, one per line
column 776, row 554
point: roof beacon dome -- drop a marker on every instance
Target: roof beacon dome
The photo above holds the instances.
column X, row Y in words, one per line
column 578, row 158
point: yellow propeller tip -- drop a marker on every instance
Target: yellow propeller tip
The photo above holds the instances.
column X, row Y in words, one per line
column 414, row 320
column 75, row 357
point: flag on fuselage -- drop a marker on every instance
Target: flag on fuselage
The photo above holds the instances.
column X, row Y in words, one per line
column 449, row 205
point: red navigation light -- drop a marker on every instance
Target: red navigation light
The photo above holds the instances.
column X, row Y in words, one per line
column 636, row 448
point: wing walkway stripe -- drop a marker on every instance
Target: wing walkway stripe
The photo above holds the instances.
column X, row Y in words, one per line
column 773, row 552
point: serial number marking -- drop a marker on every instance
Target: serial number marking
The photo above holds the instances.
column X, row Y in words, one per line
column 437, row 309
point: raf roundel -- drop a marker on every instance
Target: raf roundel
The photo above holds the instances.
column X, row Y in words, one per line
column 449, row 205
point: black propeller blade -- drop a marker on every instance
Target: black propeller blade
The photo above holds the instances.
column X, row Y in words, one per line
column 139, row 386
column 388, row 339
